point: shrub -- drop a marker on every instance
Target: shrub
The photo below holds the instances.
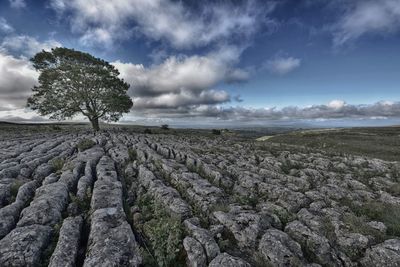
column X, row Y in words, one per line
column 359, row 225
column 165, row 127
column 55, row 127
column 387, row 213
column 147, row 131
column 216, row 131
column 85, row 144
column 14, row 189
column 165, row 236
column 132, row 154
column 57, row 164
column 163, row 233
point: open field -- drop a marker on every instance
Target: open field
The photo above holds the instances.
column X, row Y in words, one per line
column 142, row 196
column 382, row 142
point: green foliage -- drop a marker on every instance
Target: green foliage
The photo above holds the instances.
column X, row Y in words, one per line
column 55, row 127
column 85, row 144
column 163, row 233
column 288, row 165
column 328, row 229
column 46, row 255
column 132, row 154
column 165, row 127
column 73, row 82
column 216, row 132
column 359, row 225
column 83, row 204
column 165, row 236
column 387, row 213
column 250, row 200
column 57, row 164
column 147, row 131
column 14, row 189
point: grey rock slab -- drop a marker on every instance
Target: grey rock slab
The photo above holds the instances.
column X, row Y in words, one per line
column 47, row 206
column 226, row 260
column 106, row 194
column 8, row 217
column 204, row 237
column 26, row 192
column 195, row 253
column 67, row 247
column 386, row 254
column 111, row 240
column 279, row 249
column 245, row 225
column 23, row 246
column 316, row 245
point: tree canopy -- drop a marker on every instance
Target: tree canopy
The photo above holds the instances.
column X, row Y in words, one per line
column 73, row 82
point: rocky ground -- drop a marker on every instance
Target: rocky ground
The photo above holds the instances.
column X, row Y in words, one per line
column 123, row 198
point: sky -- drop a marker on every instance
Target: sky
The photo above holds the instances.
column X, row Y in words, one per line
column 230, row 62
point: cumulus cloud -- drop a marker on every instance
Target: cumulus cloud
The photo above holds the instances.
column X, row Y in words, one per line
column 17, row 3
column 105, row 21
column 282, row 65
column 17, row 77
column 26, row 45
column 368, row 16
column 182, row 81
column 4, row 26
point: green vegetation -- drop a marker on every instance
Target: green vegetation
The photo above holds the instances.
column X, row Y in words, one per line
column 359, row 225
column 387, row 213
column 165, row 127
column 57, row 164
column 83, row 204
column 14, row 189
column 132, row 154
column 216, row 132
column 382, row 142
column 147, row 131
column 73, row 82
column 163, row 234
column 85, row 144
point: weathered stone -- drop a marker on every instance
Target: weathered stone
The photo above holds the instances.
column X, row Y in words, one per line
column 46, row 208
column 195, row 253
column 204, row 237
column 67, row 247
column 24, row 245
column 314, row 244
column 386, row 254
column 111, row 240
column 226, row 260
column 279, row 249
column 245, row 225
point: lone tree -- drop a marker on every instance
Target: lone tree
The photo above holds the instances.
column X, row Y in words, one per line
column 73, row 82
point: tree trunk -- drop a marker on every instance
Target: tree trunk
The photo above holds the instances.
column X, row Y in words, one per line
column 95, row 124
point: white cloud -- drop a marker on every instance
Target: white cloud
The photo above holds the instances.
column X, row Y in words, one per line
column 26, row 45
column 4, row 26
column 181, row 81
column 17, row 3
column 282, row 65
column 336, row 104
column 368, row 16
column 160, row 20
column 17, row 77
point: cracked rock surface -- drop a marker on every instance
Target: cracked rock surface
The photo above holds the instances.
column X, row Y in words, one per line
column 121, row 197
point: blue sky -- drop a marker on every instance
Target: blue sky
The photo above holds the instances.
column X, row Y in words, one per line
column 219, row 61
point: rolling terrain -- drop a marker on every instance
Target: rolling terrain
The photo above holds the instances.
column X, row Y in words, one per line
column 132, row 196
